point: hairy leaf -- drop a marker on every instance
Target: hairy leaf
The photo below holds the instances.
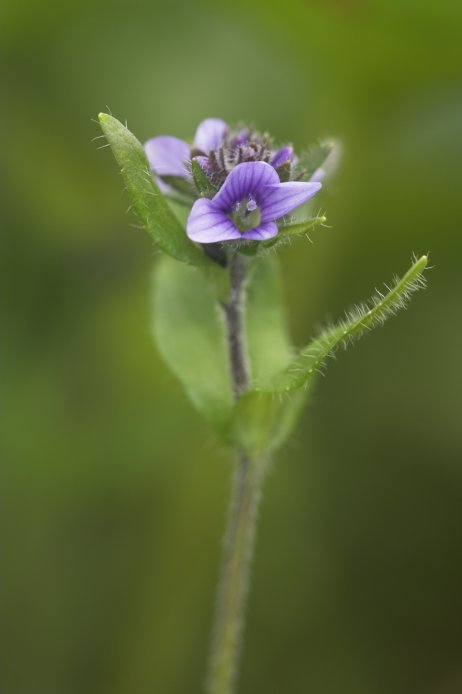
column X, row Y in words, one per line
column 303, row 369
column 147, row 200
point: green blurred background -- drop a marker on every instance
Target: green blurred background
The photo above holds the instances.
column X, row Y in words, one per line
column 115, row 491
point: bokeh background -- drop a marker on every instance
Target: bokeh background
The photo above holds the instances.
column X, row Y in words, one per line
column 115, row 491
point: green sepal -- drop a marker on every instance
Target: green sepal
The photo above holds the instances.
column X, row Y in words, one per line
column 286, row 233
column 182, row 186
column 304, row 368
column 284, row 171
column 148, row 202
column 249, row 248
column 204, row 185
column 315, row 158
column 189, row 330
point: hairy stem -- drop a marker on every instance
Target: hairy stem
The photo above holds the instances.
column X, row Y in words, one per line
column 234, row 583
column 234, row 311
column 240, row 534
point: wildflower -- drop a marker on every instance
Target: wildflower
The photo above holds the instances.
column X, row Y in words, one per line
column 247, row 205
column 216, row 149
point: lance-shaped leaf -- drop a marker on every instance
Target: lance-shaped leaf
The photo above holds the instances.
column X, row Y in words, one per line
column 304, row 368
column 188, row 327
column 147, row 200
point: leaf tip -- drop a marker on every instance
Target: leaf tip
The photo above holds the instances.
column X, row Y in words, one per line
column 421, row 263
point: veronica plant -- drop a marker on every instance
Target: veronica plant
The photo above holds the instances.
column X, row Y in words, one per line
column 218, row 317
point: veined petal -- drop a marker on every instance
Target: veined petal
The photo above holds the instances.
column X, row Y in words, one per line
column 247, row 179
column 209, row 134
column 282, row 155
column 167, row 155
column 209, row 224
column 262, row 232
column 281, row 199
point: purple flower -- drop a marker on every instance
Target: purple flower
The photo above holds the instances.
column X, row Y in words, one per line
column 216, row 149
column 170, row 156
column 247, row 205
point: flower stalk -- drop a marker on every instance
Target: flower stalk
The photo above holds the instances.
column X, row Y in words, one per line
column 234, row 312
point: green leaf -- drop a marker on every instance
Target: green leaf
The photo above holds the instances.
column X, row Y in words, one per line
column 314, row 159
column 189, row 330
column 204, row 185
column 148, row 201
column 304, row 368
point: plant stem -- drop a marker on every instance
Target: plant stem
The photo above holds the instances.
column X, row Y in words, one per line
column 245, row 496
column 234, row 312
column 234, row 583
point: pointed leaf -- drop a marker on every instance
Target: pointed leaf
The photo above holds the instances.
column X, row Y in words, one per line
column 148, row 201
column 189, row 330
column 306, row 365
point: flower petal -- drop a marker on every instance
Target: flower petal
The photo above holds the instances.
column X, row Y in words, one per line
column 281, row 199
column 167, row 155
column 262, row 232
column 250, row 178
column 282, row 155
column 209, row 224
column 209, row 134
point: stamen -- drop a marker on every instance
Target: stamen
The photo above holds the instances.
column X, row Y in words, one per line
column 246, row 215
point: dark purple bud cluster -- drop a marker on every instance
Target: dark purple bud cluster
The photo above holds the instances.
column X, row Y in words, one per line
column 236, row 148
